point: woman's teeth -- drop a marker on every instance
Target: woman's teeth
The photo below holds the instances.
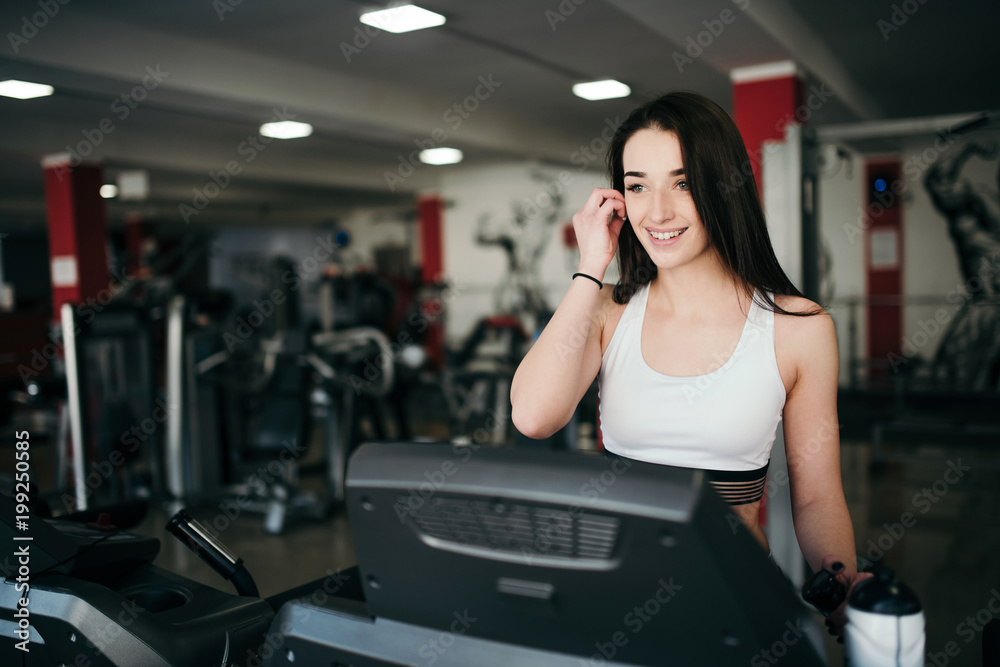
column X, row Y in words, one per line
column 667, row 235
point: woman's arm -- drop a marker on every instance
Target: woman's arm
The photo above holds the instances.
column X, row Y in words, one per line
column 812, row 444
column 563, row 362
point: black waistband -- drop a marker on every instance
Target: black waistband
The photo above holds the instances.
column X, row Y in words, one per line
column 737, row 487
column 738, row 475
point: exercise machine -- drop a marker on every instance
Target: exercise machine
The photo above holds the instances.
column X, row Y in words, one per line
column 88, row 594
column 494, row 556
column 251, row 393
column 110, row 400
column 467, row 555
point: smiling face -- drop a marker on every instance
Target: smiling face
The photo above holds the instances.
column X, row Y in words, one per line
column 658, row 199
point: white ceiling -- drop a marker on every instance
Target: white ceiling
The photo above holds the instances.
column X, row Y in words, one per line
column 229, row 71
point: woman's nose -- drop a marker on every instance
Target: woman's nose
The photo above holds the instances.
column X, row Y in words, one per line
column 662, row 208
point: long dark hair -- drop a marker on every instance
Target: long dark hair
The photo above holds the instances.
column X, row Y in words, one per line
column 717, row 168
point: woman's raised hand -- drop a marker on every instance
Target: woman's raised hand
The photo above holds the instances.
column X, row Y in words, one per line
column 597, row 226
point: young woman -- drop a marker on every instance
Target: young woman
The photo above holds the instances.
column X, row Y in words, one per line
column 704, row 345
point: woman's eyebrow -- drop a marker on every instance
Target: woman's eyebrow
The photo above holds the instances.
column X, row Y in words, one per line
column 642, row 174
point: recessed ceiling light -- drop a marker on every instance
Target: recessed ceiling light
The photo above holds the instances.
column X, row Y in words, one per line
column 441, row 156
column 601, row 90
column 402, row 18
column 24, row 90
column 109, row 191
column 286, row 129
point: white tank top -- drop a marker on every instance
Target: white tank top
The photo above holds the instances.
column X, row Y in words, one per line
column 725, row 420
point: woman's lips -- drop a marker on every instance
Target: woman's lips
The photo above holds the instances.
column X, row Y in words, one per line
column 674, row 234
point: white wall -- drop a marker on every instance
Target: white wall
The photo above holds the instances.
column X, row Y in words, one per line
column 477, row 270
column 840, row 221
column 781, row 174
column 375, row 228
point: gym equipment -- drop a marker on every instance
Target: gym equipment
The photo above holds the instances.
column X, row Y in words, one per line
column 277, row 385
column 109, row 379
column 49, row 393
column 468, row 555
column 487, row 556
column 345, row 391
column 476, row 383
column 193, row 449
column 89, row 595
column 109, row 418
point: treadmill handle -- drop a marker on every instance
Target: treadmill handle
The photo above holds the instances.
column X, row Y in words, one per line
column 195, row 537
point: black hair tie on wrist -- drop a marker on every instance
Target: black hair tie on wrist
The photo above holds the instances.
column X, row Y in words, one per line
column 600, row 285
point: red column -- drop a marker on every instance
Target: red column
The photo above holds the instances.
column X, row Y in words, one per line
column 430, row 209
column 77, row 225
column 765, row 100
column 884, row 259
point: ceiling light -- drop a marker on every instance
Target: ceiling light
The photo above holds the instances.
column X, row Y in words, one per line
column 441, row 156
column 601, row 90
column 109, row 191
column 23, row 90
column 286, row 129
column 402, row 18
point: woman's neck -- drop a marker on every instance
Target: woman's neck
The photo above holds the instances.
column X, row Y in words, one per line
column 688, row 289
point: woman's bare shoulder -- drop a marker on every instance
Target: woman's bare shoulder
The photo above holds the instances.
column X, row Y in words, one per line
column 800, row 342
column 803, row 335
column 813, row 321
column 817, row 316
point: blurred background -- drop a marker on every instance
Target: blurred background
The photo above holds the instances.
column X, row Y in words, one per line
column 239, row 238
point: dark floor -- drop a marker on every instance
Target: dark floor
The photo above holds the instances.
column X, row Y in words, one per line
column 949, row 554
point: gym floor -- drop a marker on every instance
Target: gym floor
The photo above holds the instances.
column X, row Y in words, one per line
column 931, row 517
